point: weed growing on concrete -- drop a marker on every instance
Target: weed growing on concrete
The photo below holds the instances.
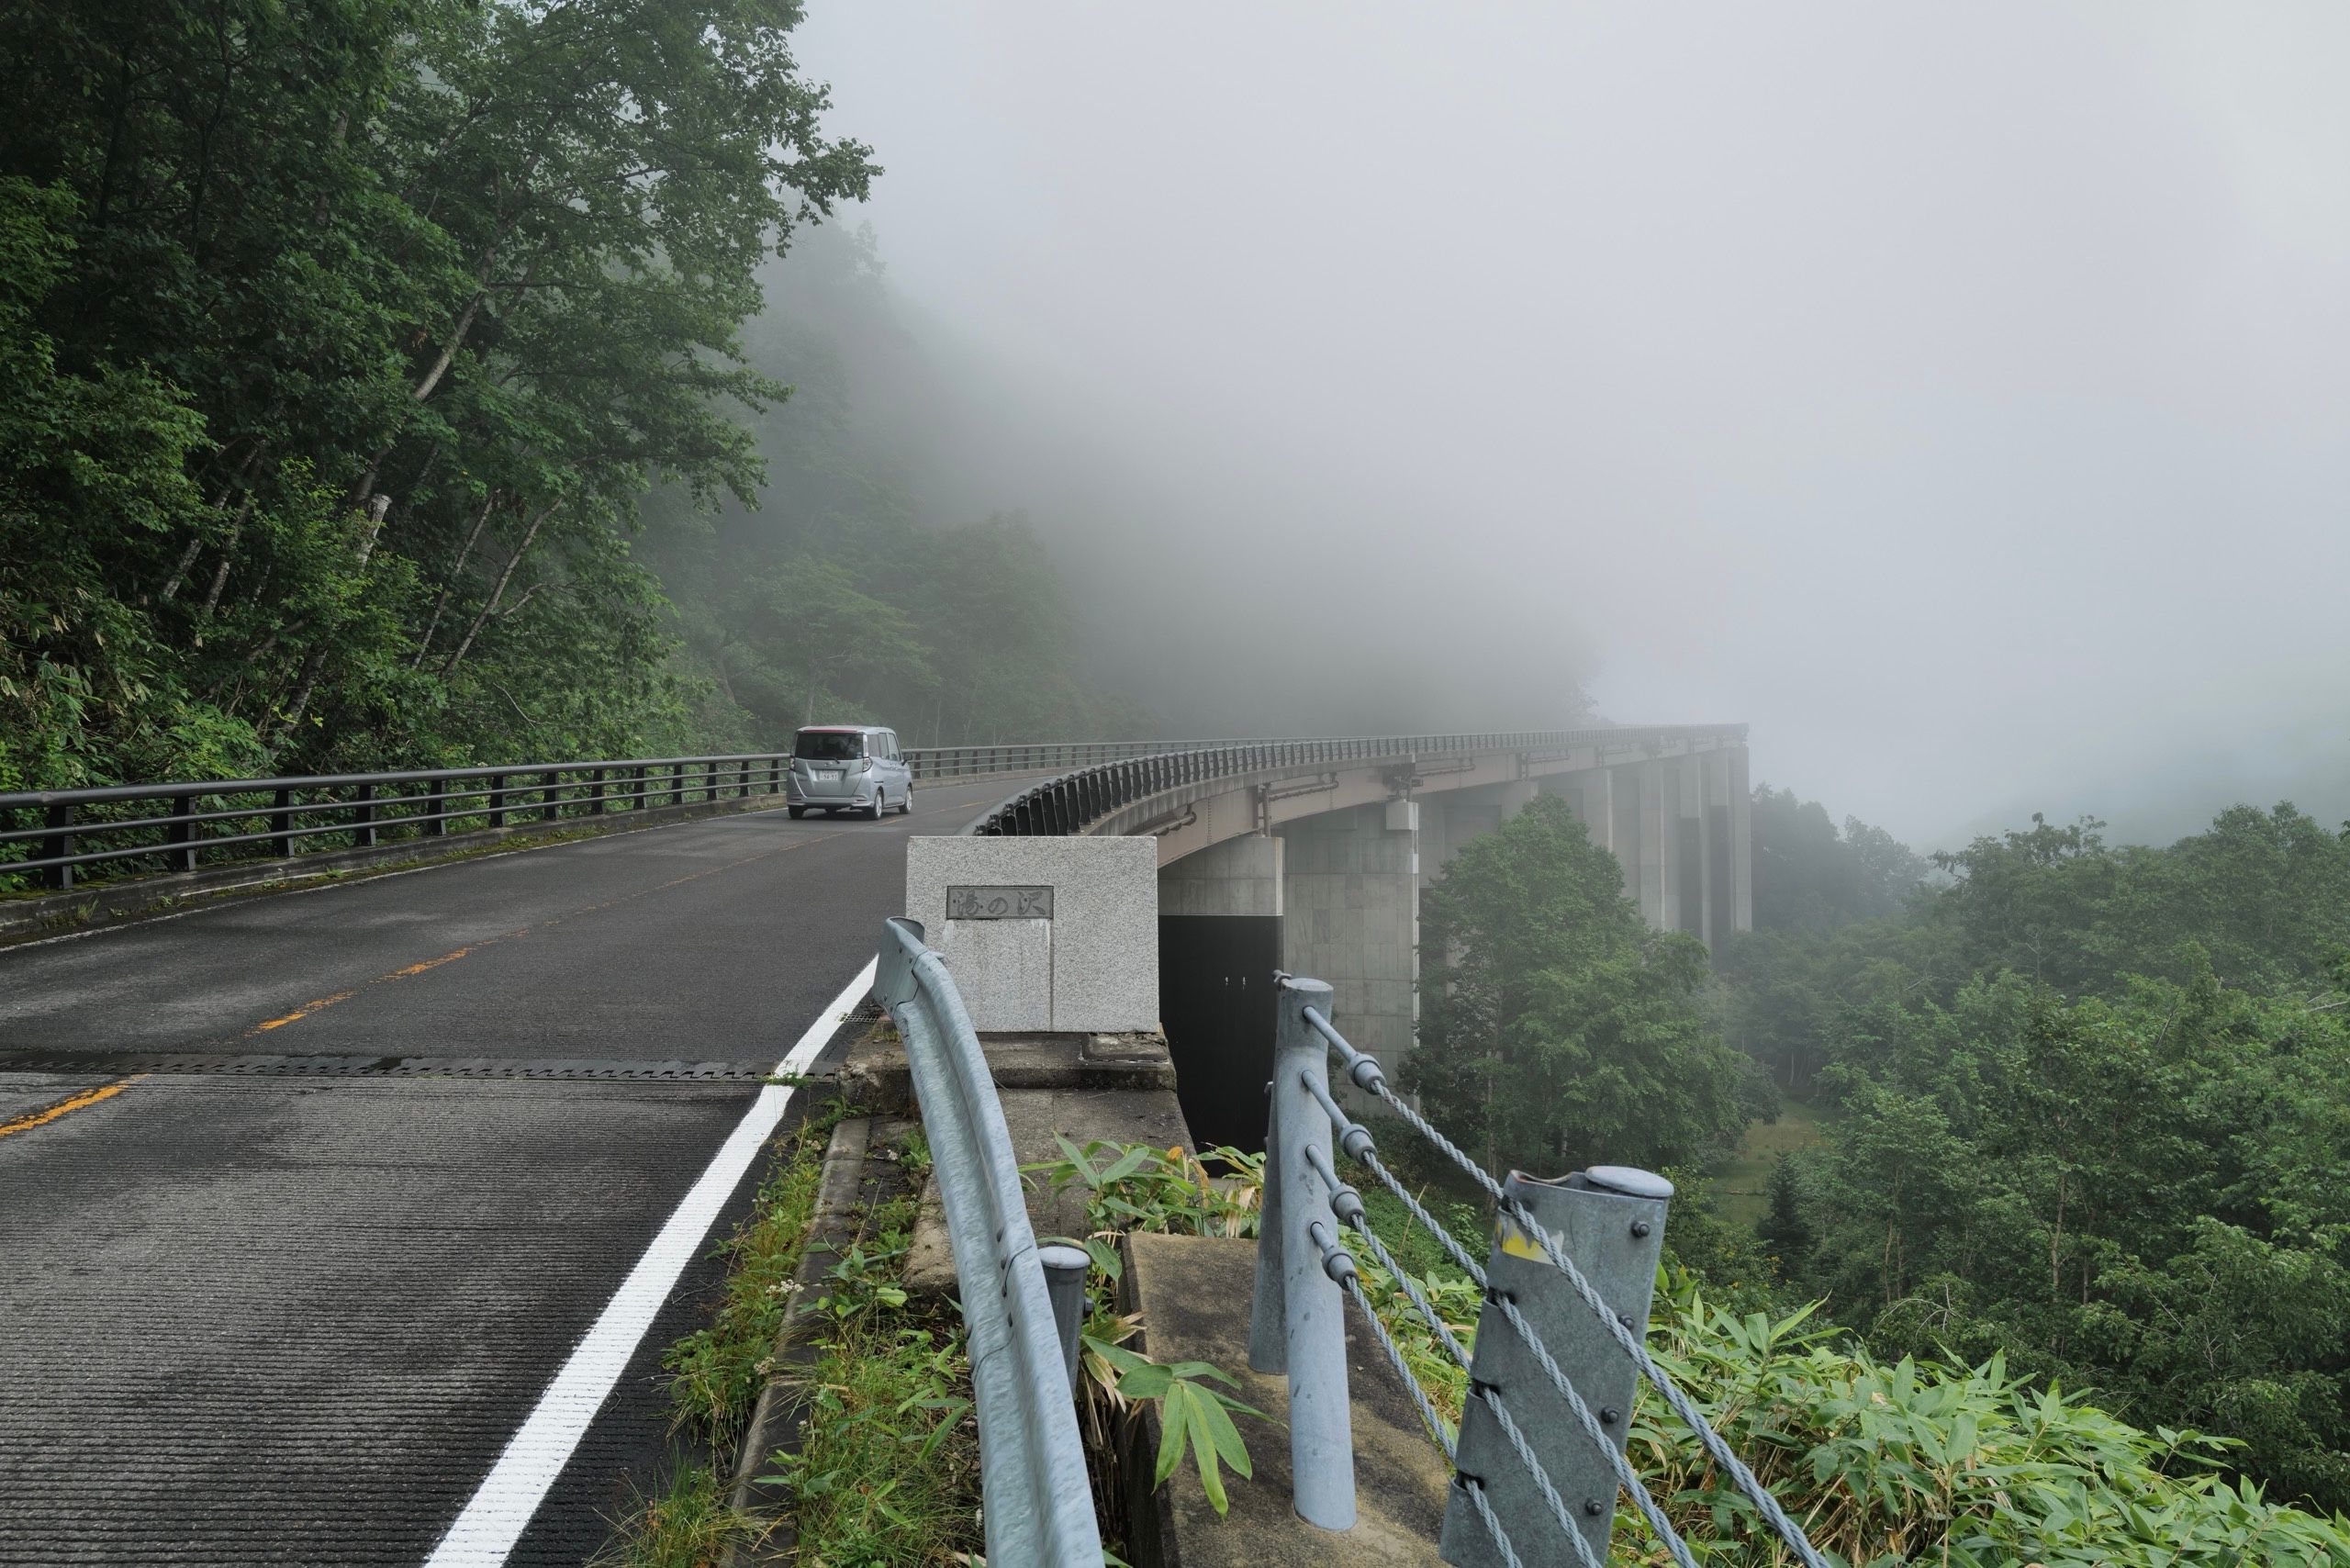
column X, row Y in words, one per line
column 688, row 1525
column 715, row 1373
column 889, row 1474
column 1137, row 1187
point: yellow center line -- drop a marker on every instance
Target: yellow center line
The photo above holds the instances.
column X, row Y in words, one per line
column 323, row 1003
column 41, row 1118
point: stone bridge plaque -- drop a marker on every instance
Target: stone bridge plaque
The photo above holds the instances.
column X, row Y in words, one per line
column 998, row 903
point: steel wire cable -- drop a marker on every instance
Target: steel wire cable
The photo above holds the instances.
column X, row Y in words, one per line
column 1443, row 1438
column 1366, row 1073
column 1476, row 1490
column 1625, row 1477
column 1352, row 1284
column 1717, row 1448
column 1525, row 1451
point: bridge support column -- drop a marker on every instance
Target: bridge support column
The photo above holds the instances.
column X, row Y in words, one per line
column 1660, row 844
column 1219, row 942
column 1352, row 898
column 1741, row 843
column 1696, row 848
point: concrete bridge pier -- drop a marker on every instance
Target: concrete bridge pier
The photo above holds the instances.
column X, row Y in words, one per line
column 1351, row 882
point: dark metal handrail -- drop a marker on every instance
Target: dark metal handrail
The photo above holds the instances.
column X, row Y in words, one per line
column 71, row 829
column 289, row 814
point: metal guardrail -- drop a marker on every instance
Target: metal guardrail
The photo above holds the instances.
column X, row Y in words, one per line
column 937, row 763
column 1037, row 1503
column 1539, row 1457
column 52, row 834
column 1075, row 800
column 177, row 825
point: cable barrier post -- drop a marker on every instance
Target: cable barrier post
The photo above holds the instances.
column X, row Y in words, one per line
column 1609, row 1222
column 1297, row 1317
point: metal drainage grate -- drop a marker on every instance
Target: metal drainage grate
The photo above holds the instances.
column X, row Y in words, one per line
column 217, row 1064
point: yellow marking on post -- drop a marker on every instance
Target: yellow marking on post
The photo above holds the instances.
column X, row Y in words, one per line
column 1515, row 1243
column 42, row 1117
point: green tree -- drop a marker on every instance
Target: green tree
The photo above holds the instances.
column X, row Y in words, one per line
column 442, row 288
column 1556, row 1029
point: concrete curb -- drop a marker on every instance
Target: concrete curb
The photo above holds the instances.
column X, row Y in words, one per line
column 847, row 1191
column 135, row 898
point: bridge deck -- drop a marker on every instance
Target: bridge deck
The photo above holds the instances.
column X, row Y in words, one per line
column 286, row 1296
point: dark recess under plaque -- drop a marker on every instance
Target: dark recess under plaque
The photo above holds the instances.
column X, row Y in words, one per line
column 1215, row 1002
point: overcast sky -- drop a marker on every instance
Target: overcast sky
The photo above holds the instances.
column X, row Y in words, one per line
column 1962, row 397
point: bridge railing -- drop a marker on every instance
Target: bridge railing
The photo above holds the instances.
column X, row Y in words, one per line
column 54, row 835
column 1539, row 1459
column 1037, row 1503
column 939, row 764
column 1075, row 800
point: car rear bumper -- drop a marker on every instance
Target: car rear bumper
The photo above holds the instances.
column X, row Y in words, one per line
column 820, row 793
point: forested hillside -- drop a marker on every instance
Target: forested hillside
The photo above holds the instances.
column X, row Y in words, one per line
column 837, row 596
column 2086, row 1107
column 344, row 344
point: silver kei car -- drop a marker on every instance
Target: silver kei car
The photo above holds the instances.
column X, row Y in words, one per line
column 848, row 767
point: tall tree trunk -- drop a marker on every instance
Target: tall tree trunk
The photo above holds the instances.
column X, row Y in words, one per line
column 497, row 592
column 179, row 573
column 450, row 586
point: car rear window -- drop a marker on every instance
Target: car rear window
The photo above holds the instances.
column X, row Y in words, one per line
column 829, row 746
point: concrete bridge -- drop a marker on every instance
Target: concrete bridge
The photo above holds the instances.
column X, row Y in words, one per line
column 1311, row 856
column 347, row 1224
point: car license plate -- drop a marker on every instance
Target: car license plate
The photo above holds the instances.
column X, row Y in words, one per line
column 829, row 775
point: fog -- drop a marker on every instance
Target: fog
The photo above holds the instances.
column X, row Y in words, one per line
column 1961, row 399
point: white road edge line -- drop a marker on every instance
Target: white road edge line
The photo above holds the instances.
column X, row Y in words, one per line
column 508, row 1497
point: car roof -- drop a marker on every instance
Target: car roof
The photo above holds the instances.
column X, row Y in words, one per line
column 843, row 729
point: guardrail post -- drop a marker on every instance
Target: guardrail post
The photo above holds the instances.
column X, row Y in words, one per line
column 1610, row 1220
column 547, row 796
column 364, row 836
column 497, row 799
column 1065, row 1283
column 281, row 821
column 183, row 857
column 596, row 796
column 1312, row 1306
column 435, row 804
column 59, row 843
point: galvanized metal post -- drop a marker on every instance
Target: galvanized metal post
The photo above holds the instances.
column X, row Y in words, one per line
column 57, row 844
column 497, row 799
column 182, row 857
column 1267, row 1318
column 595, row 795
column 1610, row 1221
column 1321, row 1434
column 1065, row 1285
column 364, row 834
column 435, row 804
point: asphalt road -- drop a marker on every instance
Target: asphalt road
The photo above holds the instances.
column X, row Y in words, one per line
column 297, row 1317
